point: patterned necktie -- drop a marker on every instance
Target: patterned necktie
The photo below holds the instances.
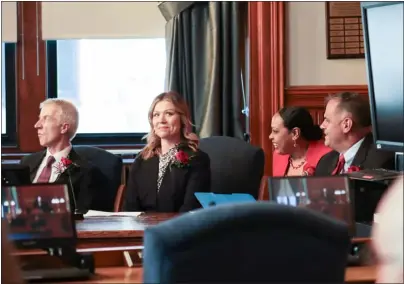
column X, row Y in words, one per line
column 47, row 171
column 340, row 165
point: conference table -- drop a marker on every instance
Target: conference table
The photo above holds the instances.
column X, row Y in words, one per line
column 117, row 242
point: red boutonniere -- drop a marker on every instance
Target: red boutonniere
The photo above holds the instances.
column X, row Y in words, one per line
column 182, row 159
column 352, row 169
column 308, row 170
column 64, row 164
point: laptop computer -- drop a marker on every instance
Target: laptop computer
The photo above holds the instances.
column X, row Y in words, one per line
column 330, row 195
column 39, row 216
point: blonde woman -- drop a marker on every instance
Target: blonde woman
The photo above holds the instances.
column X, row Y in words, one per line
column 170, row 169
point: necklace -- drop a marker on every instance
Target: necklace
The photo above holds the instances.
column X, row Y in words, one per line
column 298, row 166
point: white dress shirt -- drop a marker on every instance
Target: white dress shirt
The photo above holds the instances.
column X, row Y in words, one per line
column 351, row 153
column 58, row 156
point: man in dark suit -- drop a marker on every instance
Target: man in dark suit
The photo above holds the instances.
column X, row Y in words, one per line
column 347, row 129
column 59, row 163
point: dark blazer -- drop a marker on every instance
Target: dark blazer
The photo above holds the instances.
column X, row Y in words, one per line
column 177, row 189
column 84, row 177
column 367, row 157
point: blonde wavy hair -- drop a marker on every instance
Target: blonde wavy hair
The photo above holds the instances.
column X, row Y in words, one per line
column 153, row 146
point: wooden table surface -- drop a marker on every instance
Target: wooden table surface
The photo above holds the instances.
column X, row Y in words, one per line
column 112, row 231
column 366, row 274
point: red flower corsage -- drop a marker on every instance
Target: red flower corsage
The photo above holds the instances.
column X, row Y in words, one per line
column 64, row 164
column 181, row 159
column 308, row 170
column 352, row 169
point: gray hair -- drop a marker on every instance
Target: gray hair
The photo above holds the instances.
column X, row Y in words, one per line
column 69, row 114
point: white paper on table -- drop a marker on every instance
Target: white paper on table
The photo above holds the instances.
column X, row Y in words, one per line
column 94, row 213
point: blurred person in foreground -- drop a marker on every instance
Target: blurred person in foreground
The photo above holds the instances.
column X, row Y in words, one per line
column 57, row 126
column 297, row 142
column 347, row 130
column 170, row 168
column 387, row 235
column 10, row 268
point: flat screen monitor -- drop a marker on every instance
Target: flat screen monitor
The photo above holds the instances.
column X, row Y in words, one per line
column 15, row 174
column 383, row 30
column 38, row 215
column 329, row 195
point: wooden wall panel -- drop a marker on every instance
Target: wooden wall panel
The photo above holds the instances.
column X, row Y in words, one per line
column 31, row 77
column 313, row 97
column 267, row 76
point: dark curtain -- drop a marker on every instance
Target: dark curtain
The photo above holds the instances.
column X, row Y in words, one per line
column 203, row 64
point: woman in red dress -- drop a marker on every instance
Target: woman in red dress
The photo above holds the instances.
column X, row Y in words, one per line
column 297, row 141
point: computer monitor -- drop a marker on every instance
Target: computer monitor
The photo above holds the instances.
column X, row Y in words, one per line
column 330, row 195
column 38, row 215
column 15, row 174
column 383, row 29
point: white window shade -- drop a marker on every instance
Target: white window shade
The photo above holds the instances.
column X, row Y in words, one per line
column 9, row 22
column 101, row 20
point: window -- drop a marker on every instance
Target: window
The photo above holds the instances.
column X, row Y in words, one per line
column 8, row 94
column 112, row 83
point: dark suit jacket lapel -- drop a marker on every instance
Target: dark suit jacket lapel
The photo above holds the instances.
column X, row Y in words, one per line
column 363, row 150
column 333, row 162
column 35, row 164
column 75, row 158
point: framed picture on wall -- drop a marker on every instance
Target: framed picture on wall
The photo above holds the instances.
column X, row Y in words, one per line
column 344, row 30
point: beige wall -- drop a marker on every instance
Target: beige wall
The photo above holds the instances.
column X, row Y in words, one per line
column 307, row 55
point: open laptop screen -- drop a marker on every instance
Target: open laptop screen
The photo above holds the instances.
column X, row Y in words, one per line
column 38, row 215
column 329, row 195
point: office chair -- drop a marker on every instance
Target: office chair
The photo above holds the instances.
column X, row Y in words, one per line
column 236, row 166
column 110, row 167
column 257, row 242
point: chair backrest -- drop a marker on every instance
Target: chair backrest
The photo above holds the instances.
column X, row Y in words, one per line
column 110, row 167
column 251, row 242
column 236, row 166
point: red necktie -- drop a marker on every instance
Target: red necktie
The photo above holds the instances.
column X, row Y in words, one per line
column 47, row 171
column 340, row 165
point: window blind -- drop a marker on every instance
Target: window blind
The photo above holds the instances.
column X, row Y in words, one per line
column 9, row 22
column 101, row 20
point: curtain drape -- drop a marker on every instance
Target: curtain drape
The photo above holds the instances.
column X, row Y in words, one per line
column 203, row 64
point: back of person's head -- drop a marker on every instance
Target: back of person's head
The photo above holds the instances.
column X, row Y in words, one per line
column 387, row 235
column 301, row 118
column 181, row 107
column 356, row 105
column 68, row 114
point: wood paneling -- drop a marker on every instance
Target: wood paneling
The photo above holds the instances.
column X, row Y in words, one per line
column 267, row 76
column 31, row 77
column 313, row 97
